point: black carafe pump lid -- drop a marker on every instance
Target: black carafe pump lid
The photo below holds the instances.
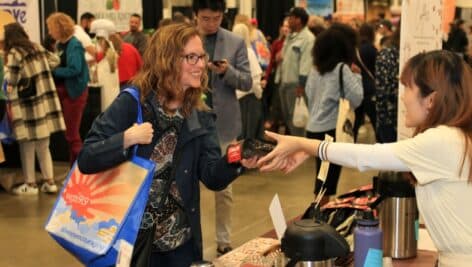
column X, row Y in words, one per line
column 308, row 240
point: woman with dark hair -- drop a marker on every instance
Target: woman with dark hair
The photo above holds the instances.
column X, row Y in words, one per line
column 437, row 99
column 333, row 54
column 457, row 38
column 387, row 67
column 178, row 134
column 35, row 107
column 71, row 77
column 365, row 59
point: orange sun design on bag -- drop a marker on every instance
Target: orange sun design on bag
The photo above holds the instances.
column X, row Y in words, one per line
column 97, row 196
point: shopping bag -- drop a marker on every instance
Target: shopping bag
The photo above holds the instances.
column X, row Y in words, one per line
column 346, row 115
column 300, row 113
column 97, row 216
column 6, row 133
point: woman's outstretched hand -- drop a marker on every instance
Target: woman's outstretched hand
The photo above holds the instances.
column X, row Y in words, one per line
column 289, row 153
column 250, row 163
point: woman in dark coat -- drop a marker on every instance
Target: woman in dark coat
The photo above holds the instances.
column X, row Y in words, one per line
column 178, row 134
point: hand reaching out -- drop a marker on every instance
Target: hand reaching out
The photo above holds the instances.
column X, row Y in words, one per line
column 292, row 161
column 289, row 153
column 250, row 163
column 138, row 134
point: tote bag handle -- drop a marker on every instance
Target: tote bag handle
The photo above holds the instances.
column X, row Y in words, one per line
column 133, row 91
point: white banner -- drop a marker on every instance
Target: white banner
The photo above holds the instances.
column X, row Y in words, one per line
column 26, row 13
column 115, row 10
column 420, row 31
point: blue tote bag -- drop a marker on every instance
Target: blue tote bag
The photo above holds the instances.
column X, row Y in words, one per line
column 97, row 215
column 6, row 133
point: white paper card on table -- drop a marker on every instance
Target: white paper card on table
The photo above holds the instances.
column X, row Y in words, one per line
column 124, row 254
column 323, row 172
column 277, row 215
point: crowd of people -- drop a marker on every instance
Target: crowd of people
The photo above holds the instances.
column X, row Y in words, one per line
column 192, row 69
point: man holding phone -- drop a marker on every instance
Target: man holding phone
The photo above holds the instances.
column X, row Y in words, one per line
column 228, row 71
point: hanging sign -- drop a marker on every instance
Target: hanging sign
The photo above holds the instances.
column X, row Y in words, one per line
column 26, row 13
column 421, row 31
column 115, row 10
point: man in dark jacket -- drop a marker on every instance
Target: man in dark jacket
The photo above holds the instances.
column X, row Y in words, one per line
column 229, row 70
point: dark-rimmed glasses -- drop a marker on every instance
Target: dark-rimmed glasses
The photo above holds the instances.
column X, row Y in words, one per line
column 192, row 58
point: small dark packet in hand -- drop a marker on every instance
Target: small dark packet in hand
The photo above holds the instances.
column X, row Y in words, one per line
column 248, row 148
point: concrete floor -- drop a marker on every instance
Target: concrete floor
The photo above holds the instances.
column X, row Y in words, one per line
column 23, row 241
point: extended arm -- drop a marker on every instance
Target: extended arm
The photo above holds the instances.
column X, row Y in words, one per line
column 291, row 151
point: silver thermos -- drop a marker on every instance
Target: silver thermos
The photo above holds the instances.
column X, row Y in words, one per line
column 398, row 216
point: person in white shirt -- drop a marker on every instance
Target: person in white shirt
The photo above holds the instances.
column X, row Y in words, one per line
column 437, row 98
column 86, row 42
column 107, row 61
column 90, row 51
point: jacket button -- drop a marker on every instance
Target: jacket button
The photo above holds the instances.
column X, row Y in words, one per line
column 185, row 171
column 193, row 209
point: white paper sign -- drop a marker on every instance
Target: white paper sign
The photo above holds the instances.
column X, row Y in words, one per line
column 117, row 11
column 26, row 13
column 323, row 172
column 124, row 254
column 277, row 215
column 420, row 31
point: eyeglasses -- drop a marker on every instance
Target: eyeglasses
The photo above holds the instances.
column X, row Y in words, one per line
column 192, row 59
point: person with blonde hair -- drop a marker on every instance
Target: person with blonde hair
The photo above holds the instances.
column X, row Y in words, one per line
column 71, row 77
column 437, row 99
column 178, row 134
column 316, row 24
column 250, row 101
column 256, row 38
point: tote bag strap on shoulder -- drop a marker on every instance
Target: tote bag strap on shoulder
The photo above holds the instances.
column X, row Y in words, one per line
column 139, row 119
column 364, row 67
